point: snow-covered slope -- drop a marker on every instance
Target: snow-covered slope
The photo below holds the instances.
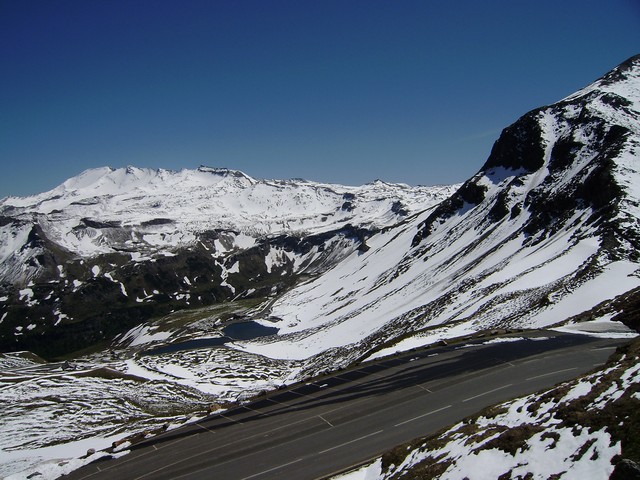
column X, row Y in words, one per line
column 547, row 229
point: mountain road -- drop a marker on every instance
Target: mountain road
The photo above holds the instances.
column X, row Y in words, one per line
column 321, row 427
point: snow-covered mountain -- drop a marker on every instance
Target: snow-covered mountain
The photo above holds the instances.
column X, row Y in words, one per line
column 151, row 241
column 546, row 230
column 158, row 264
column 147, row 211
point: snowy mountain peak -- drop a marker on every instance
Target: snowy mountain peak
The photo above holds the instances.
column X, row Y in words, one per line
column 577, row 155
column 106, row 210
column 226, row 172
column 222, row 171
column 155, row 238
column 622, row 81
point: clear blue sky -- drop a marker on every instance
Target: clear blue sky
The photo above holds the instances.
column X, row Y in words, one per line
column 332, row 90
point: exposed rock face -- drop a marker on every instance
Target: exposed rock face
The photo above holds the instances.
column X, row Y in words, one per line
column 90, row 300
column 626, row 470
column 548, row 228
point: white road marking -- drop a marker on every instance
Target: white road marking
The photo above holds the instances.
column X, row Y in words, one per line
column 552, row 373
column 487, row 393
column 223, row 445
column 351, row 441
column 324, row 419
column 272, row 469
column 252, row 410
column 230, row 419
column 201, row 426
column 277, row 402
column 424, row 388
column 423, row 415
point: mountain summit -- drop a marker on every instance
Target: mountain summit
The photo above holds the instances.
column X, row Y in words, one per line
column 579, row 154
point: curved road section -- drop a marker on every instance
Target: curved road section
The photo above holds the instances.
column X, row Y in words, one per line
column 318, row 428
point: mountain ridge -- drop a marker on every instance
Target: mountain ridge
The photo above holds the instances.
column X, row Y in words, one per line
column 561, row 179
column 144, row 231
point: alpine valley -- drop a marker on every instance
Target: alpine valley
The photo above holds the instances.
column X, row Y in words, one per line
column 133, row 298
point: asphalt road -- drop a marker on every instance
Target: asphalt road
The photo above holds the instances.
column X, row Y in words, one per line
column 320, row 428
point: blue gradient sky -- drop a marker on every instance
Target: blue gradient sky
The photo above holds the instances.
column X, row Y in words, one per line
column 333, row 90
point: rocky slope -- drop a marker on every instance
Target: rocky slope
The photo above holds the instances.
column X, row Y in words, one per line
column 547, row 229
